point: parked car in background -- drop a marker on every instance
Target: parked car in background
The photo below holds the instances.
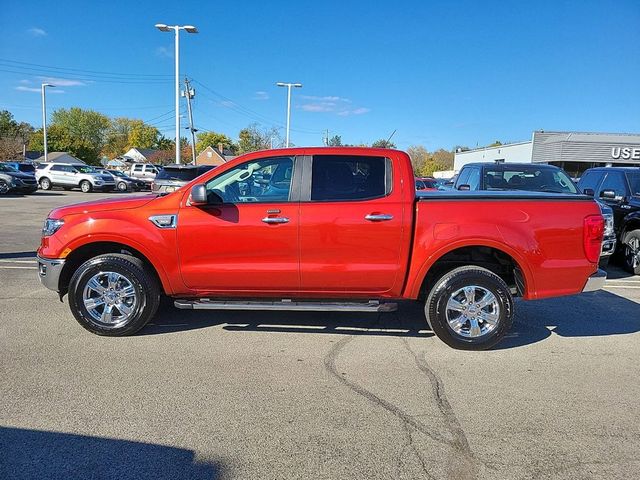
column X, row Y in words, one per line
column 145, row 172
column 426, row 183
column 619, row 187
column 13, row 180
column 69, row 176
column 124, row 183
column 172, row 177
column 533, row 178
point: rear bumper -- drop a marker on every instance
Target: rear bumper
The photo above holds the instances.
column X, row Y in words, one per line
column 595, row 281
column 49, row 270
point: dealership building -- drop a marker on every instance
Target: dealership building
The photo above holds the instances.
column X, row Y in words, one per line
column 572, row 151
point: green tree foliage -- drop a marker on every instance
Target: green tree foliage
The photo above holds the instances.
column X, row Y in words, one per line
column 425, row 162
column 205, row 139
column 13, row 135
column 497, row 143
column 335, row 141
column 125, row 133
column 382, row 143
column 253, row 138
column 80, row 132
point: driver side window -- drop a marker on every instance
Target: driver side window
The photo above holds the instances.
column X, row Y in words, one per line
column 266, row 180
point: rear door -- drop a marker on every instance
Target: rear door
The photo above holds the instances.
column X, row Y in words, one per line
column 246, row 239
column 351, row 225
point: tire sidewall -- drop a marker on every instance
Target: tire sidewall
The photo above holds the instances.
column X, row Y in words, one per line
column 122, row 184
column 144, row 294
column 459, row 278
column 4, row 187
column 86, row 189
column 629, row 267
column 45, row 183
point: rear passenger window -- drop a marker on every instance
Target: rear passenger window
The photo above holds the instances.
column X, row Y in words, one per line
column 137, row 168
column 57, row 168
column 341, row 177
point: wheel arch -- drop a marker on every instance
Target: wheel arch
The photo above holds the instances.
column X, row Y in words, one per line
column 498, row 258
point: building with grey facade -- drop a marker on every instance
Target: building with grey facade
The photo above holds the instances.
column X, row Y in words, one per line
column 572, row 151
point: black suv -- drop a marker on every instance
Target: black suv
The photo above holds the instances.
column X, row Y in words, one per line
column 532, row 177
column 619, row 187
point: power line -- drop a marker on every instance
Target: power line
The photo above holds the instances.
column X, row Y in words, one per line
column 5, row 60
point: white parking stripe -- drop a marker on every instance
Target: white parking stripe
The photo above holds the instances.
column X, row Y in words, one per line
column 16, row 267
column 18, row 261
column 622, row 286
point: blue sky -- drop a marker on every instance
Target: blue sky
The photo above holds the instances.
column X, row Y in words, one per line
column 439, row 73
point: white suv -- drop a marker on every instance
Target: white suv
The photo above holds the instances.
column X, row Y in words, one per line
column 70, row 175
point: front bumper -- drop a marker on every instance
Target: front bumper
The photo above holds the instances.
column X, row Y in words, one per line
column 49, row 270
column 595, row 281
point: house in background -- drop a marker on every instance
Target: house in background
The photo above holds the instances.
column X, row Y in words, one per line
column 214, row 156
column 60, row 157
column 139, row 155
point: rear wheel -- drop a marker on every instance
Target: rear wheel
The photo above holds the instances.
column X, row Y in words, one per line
column 631, row 252
column 470, row 308
column 122, row 186
column 85, row 186
column 113, row 295
column 45, row 183
column 4, row 187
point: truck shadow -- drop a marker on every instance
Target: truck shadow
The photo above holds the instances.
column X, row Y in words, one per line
column 36, row 454
column 588, row 315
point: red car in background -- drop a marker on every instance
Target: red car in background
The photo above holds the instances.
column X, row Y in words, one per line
column 426, row 183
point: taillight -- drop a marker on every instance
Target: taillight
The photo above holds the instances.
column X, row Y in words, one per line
column 592, row 237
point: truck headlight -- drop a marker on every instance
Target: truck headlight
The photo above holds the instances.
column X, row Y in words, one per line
column 51, row 226
column 608, row 224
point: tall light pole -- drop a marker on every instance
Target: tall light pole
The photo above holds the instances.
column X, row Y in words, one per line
column 288, row 85
column 176, row 28
column 44, row 119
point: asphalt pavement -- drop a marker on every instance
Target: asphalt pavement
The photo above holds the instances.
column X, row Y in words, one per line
column 270, row 395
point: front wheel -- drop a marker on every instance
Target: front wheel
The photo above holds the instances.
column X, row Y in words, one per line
column 113, row 295
column 631, row 250
column 470, row 308
column 122, row 186
column 85, row 186
column 45, row 183
column 4, row 187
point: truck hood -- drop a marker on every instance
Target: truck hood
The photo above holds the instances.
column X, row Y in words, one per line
column 122, row 203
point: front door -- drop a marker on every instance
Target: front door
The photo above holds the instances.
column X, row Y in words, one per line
column 246, row 238
column 351, row 226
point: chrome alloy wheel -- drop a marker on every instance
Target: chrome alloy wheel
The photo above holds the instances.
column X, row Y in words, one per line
column 472, row 311
column 632, row 252
column 110, row 299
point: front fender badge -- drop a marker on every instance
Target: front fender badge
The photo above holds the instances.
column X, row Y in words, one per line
column 164, row 221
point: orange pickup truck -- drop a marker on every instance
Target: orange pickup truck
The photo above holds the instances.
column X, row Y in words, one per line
column 329, row 229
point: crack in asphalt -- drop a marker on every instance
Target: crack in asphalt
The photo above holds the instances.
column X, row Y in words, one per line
column 468, row 468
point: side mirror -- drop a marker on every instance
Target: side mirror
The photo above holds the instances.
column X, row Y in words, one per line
column 589, row 191
column 464, row 187
column 608, row 194
column 198, row 195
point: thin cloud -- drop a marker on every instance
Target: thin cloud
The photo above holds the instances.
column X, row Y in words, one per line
column 227, row 103
column 331, row 104
column 23, row 88
column 164, row 52
column 62, row 82
column 260, row 95
column 36, row 32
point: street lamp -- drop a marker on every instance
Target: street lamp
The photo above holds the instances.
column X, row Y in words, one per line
column 44, row 119
column 176, row 28
column 288, row 85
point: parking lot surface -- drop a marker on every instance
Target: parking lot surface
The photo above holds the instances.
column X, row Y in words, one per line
column 260, row 395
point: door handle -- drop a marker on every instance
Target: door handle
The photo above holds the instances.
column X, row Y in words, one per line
column 275, row 220
column 378, row 217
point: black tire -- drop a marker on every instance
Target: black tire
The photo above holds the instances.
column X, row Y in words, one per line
column 4, row 187
column 86, row 186
column 144, row 283
column 122, row 187
column 45, row 183
column 482, row 280
column 631, row 252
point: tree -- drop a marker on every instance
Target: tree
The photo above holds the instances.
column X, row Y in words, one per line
column 13, row 136
column 497, row 143
column 254, row 138
column 335, row 141
column 82, row 133
column 125, row 133
column 142, row 135
column 425, row 163
column 205, row 139
column 382, row 143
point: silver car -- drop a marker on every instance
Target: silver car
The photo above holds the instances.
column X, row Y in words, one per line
column 172, row 177
column 69, row 176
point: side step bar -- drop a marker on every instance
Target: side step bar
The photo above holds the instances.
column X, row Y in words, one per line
column 286, row 304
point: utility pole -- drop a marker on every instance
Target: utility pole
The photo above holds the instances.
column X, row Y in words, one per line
column 288, row 85
column 190, row 93
column 326, row 138
column 44, row 119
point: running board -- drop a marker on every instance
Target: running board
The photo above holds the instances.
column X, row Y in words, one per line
column 372, row 306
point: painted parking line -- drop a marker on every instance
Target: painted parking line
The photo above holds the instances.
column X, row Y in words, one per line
column 18, row 261
column 622, row 286
column 16, row 267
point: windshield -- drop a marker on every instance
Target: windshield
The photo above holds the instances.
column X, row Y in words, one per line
column 534, row 179
column 117, row 173
column 7, row 168
column 85, row 169
column 634, row 182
